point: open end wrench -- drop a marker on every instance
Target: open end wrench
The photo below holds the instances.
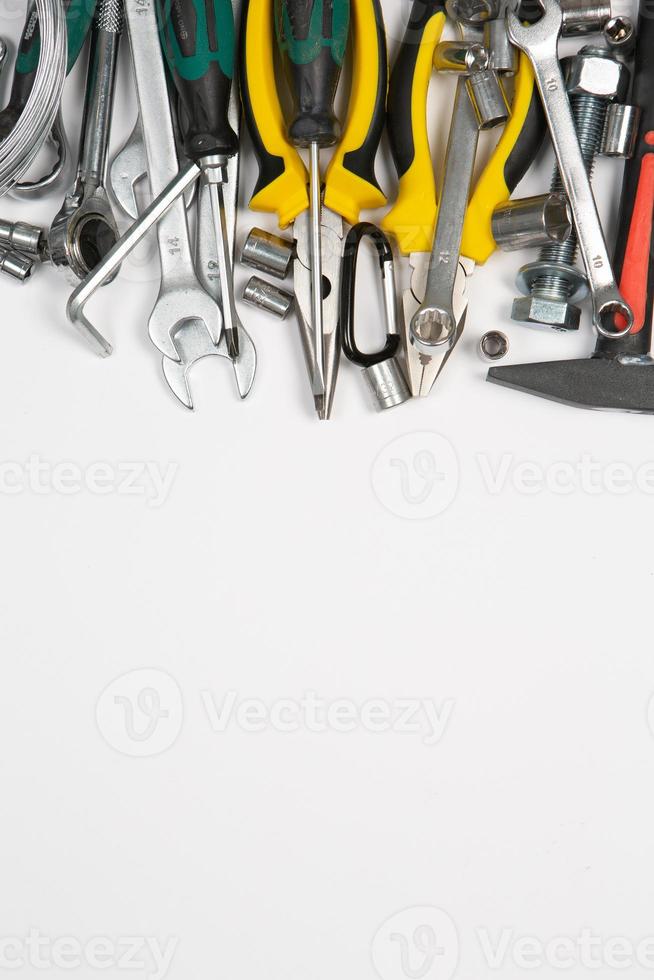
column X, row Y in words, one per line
column 540, row 42
column 181, row 298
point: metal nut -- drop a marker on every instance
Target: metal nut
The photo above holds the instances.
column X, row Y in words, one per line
column 494, row 345
column 533, row 309
column 592, row 73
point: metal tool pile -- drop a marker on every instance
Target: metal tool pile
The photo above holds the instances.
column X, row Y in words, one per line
column 186, row 142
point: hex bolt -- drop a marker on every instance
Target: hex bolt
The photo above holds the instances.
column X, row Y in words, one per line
column 553, row 285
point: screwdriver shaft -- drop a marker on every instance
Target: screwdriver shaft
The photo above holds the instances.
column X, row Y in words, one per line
column 226, row 272
column 316, row 273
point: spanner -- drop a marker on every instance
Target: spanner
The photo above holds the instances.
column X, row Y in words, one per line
column 434, row 327
column 129, row 168
column 181, row 298
column 85, row 229
column 540, row 42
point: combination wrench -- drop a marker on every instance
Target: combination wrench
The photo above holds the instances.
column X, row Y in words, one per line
column 181, row 298
column 85, row 229
column 540, row 42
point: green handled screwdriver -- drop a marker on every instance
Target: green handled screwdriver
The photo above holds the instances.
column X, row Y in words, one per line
column 312, row 37
column 198, row 40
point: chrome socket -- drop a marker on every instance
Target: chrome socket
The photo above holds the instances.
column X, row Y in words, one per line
column 387, row 384
column 268, row 253
column 268, row 297
column 620, row 131
column 22, row 237
column 532, row 222
column 13, row 264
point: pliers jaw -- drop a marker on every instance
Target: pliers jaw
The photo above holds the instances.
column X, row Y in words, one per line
column 332, row 249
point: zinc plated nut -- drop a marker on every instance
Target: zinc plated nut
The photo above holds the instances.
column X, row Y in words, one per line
column 494, row 345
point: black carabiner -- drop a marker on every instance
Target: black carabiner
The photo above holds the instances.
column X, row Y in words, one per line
column 348, row 289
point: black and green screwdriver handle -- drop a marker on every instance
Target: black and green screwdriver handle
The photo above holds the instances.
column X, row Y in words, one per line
column 350, row 183
column 198, row 40
column 79, row 17
column 413, row 217
column 312, row 37
column 634, row 253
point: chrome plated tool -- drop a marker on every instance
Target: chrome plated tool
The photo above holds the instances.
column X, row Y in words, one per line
column 85, row 229
column 540, row 42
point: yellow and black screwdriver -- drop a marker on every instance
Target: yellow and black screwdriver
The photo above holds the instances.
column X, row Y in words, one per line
column 312, row 37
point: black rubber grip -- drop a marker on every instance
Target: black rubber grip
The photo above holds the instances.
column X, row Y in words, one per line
column 270, row 167
column 362, row 160
column 634, row 254
column 527, row 147
column 400, row 129
column 198, row 40
column 312, row 51
column 348, row 294
column 79, row 17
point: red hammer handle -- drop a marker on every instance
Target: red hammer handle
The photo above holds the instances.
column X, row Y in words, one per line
column 634, row 256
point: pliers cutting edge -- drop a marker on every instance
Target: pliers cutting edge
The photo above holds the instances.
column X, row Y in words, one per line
column 350, row 182
column 413, row 217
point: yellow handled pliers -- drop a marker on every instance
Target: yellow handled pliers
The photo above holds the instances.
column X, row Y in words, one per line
column 412, row 219
column 350, row 182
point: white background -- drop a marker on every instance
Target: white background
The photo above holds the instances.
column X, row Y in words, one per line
column 291, row 557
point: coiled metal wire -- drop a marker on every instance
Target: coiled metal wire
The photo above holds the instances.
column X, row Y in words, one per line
column 18, row 150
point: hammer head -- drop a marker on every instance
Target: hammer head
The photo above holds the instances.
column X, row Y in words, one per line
column 605, row 384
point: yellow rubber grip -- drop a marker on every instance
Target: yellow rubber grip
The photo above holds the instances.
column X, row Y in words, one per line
column 350, row 184
column 494, row 186
column 413, row 217
column 283, row 182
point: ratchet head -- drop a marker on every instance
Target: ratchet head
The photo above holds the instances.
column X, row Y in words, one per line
column 82, row 233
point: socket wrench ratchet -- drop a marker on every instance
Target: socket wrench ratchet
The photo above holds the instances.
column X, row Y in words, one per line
column 540, row 42
column 85, row 229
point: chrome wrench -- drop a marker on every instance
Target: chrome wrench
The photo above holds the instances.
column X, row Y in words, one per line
column 434, row 328
column 181, row 298
column 540, row 42
column 84, row 230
